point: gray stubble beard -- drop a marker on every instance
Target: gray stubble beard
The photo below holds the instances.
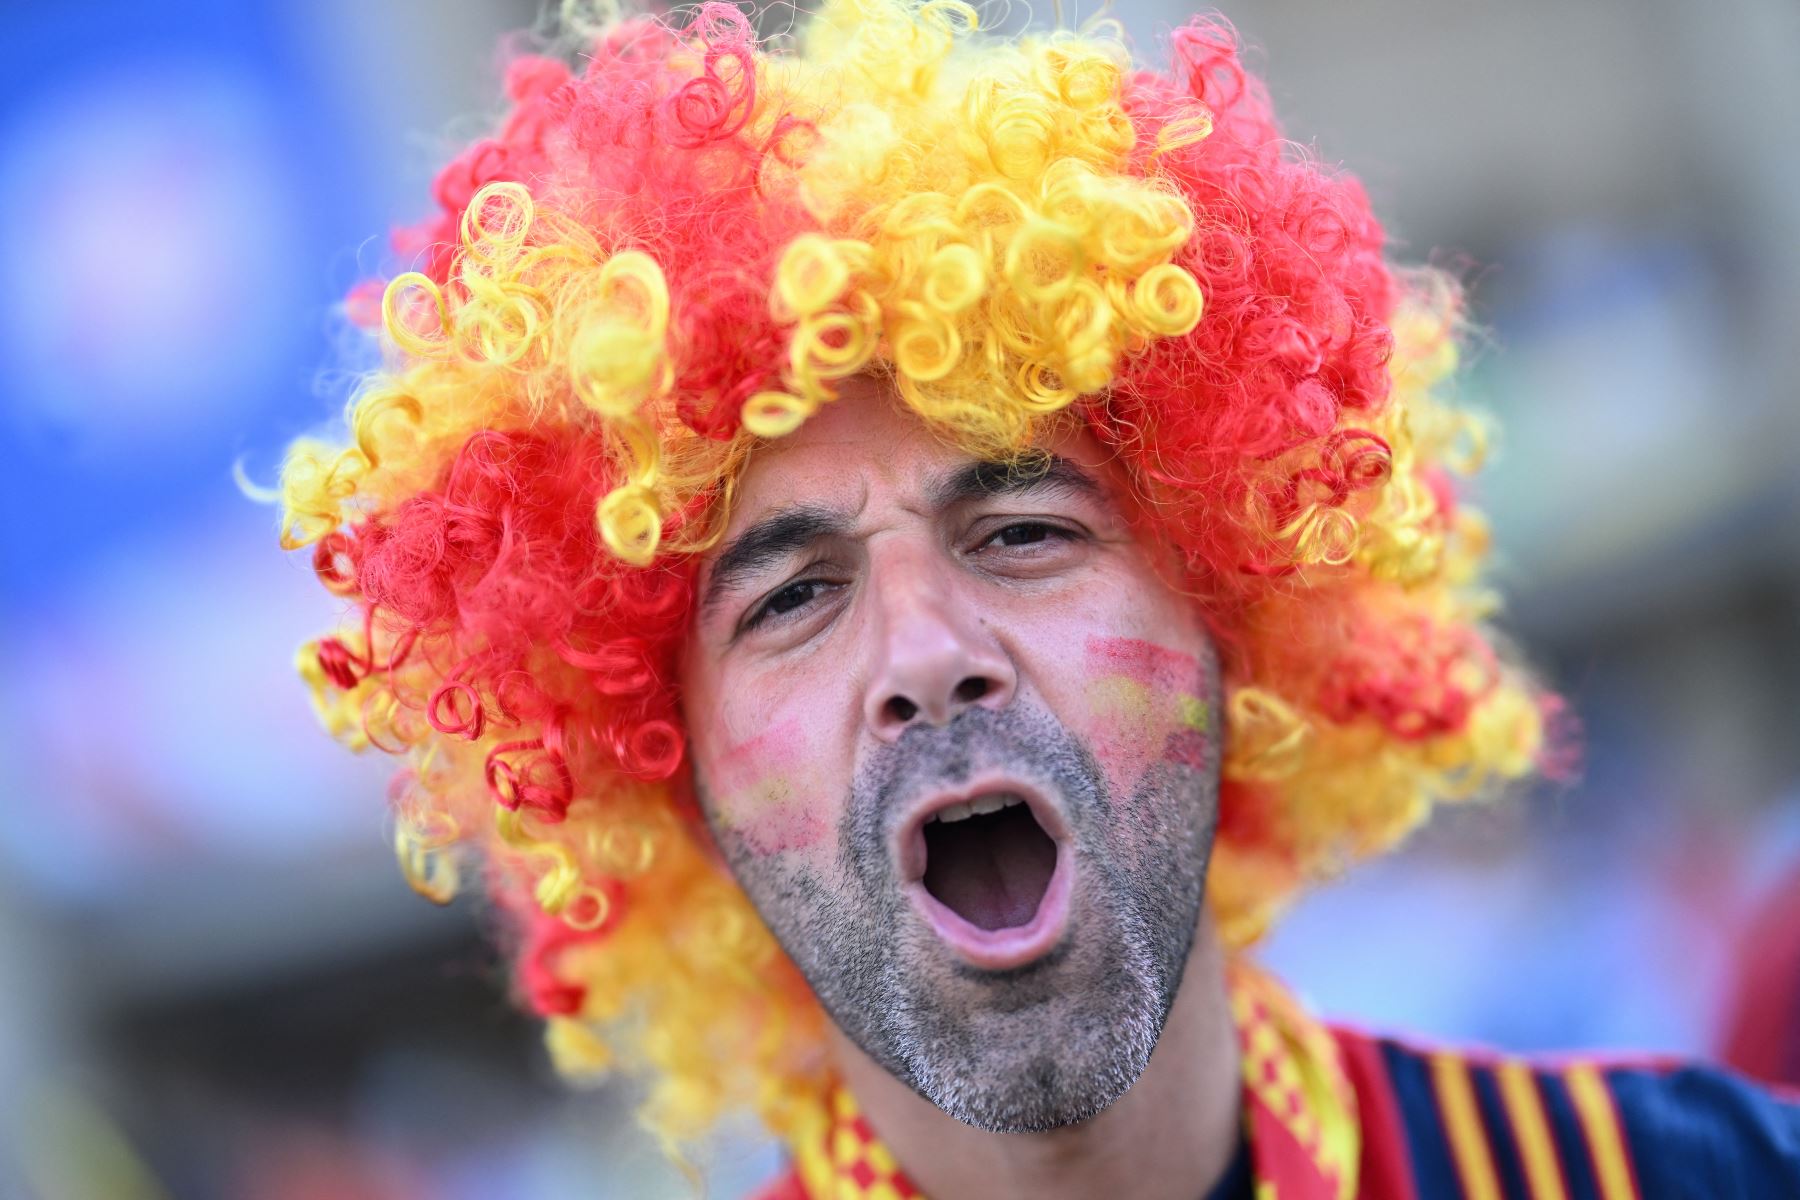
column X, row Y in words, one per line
column 1055, row 1042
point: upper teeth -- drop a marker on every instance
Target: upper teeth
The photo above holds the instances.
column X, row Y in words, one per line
column 979, row 805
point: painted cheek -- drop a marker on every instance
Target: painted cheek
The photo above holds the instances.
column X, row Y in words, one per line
column 767, row 792
column 1146, row 708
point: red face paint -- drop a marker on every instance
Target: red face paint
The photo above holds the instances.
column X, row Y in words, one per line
column 1146, row 700
column 765, row 794
column 1154, row 666
column 1187, row 748
column 749, row 762
column 784, row 826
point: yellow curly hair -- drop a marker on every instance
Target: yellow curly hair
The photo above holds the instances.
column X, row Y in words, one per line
column 682, row 251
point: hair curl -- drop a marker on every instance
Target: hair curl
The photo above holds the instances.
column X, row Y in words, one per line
column 683, row 250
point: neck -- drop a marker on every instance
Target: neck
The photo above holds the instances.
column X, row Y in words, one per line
column 1169, row 1137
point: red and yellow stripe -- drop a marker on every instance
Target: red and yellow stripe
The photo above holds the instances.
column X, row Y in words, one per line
column 1600, row 1125
column 1462, row 1122
column 1531, row 1131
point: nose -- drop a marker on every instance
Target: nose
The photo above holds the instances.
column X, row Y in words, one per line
column 933, row 656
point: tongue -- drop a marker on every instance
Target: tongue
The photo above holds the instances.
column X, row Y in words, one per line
column 990, row 870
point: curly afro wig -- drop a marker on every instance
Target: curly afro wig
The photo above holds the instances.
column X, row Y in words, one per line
column 681, row 250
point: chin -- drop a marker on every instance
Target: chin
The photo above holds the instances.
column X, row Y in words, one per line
column 1060, row 1050
column 1041, row 1095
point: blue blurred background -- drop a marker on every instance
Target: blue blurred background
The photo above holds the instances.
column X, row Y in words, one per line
column 217, row 984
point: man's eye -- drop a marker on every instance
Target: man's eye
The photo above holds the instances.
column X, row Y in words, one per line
column 795, row 595
column 1026, row 533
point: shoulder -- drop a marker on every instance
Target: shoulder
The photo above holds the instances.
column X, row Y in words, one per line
column 1701, row 1122
column 1450, row 1121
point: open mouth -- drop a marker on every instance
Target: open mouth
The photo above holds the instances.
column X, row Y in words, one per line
column 990, row 872
column 988, row 861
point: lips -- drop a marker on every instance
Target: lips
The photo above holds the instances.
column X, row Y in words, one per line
column 988, row 868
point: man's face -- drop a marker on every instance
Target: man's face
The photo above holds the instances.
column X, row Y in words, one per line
column 959, row 743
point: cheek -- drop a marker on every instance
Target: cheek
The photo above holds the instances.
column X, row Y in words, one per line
column 1145, row 704
column 769, row 793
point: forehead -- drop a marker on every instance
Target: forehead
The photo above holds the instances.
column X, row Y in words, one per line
column 866, row 443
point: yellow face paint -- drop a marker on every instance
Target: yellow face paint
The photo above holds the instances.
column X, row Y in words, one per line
column 1145, row 698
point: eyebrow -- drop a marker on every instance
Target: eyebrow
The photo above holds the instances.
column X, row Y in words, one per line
column 1037, row 471
column 795, row 528
column 783, row 533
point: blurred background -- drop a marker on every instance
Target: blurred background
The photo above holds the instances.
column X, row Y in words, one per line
column 216, row 983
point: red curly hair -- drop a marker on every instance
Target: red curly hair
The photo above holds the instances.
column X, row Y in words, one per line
column 681, row 251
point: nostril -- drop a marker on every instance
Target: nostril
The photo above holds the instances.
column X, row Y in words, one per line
column 972, row 689
column 902, row 709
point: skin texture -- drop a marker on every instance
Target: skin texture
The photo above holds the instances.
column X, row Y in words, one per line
column 899, row 644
